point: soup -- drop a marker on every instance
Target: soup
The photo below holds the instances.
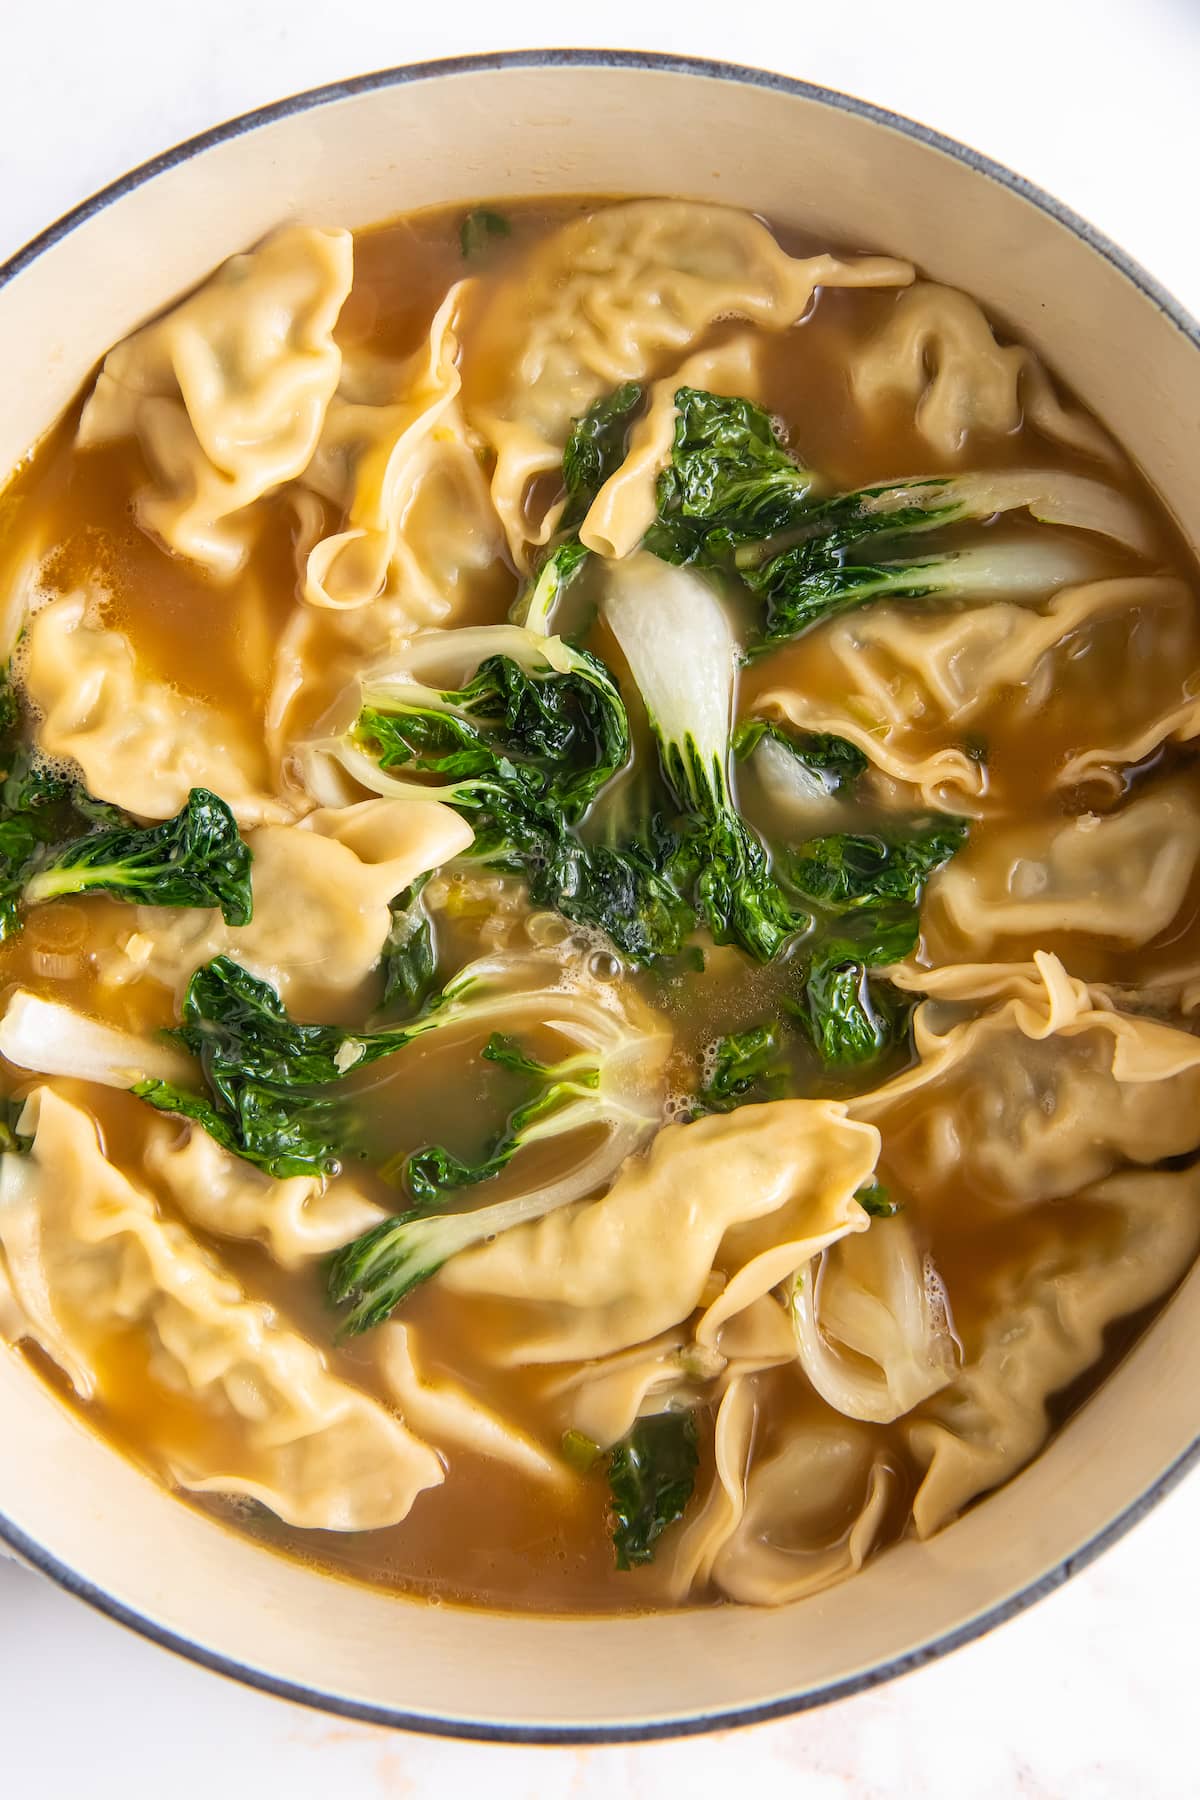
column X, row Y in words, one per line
column 599, row 933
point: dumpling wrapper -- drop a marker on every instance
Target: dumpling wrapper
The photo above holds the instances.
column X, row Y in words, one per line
column 253, row 1409
column 1121, row 876
column 908, row 685
column 449, row 1416
column 296, row 1218
column 755, row 1193
column 605, row 1397
column 603, row 299
column 140, row 743
column 937, row 353
column 396, row 459
column 1045, row 1325
column 1042, row 1093
column 227, row 392
column 774, row 1529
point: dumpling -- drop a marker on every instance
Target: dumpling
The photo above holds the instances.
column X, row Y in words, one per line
column 605, row 1397
column 395, row 459
column 450, row 1417
column 226, row 393
column 1167, row 992
column 937, row 353
column 752, row 1194
column 1043, row 1326
column 910, row 687
column 140, row 743
column 793, row 1521
column 253, row 1409
column 1121, row 876
column 601, row 301
column 873, row 1324
column 1036, row 1097
column 319, row 654
column 1135, row 740
column 321, row 893
column 296, row 1219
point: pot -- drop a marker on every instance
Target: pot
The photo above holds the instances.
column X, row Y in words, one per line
column 592, row 122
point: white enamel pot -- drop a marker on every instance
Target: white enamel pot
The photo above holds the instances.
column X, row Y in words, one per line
column 549, row 123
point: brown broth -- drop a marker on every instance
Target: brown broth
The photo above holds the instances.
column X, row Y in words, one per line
column 490, row 1536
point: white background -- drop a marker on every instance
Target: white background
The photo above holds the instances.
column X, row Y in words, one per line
column 1091, row 1695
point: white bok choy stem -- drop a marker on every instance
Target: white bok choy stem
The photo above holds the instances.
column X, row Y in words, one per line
column 1051, row 496
column 48, row 1038
column 425, row 675
column 873, row 1325
column 628, row 1044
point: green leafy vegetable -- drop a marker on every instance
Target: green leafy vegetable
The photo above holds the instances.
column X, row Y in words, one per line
column 734, row 498
column 372, row 1275
column 376, row 1271
column 534, row 607
column 744, row 1066
column 927, row 503
column 652, row 1475
column 850, row 1018
column 479, row 228
column 409, row 958
column 523, row 751
column 543, row 724
column 56, row 839
column 627, row 890
column 847, row 870
column 270, row 1077
column 596, row 449
column 730, row 480
column 197, row 858
column 679, row 647
column 835, row 761
column 873, row 882
column 817, row 579
column 874, row 1198
column 568, row 1096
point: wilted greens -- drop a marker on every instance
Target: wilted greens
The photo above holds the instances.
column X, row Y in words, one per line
column 479, row 228
column 848, row 870
column 730, row 481
column 596, row 449
column 834, row 762
column 566, row 1096
column 868, row 888
column 652, row 1475
column 735, row 498
column 679, row 646
column 56, row 839
column 272, row 1081
column 741, row 1067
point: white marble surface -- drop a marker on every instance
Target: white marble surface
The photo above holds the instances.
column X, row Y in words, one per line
column 1092, row 1693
